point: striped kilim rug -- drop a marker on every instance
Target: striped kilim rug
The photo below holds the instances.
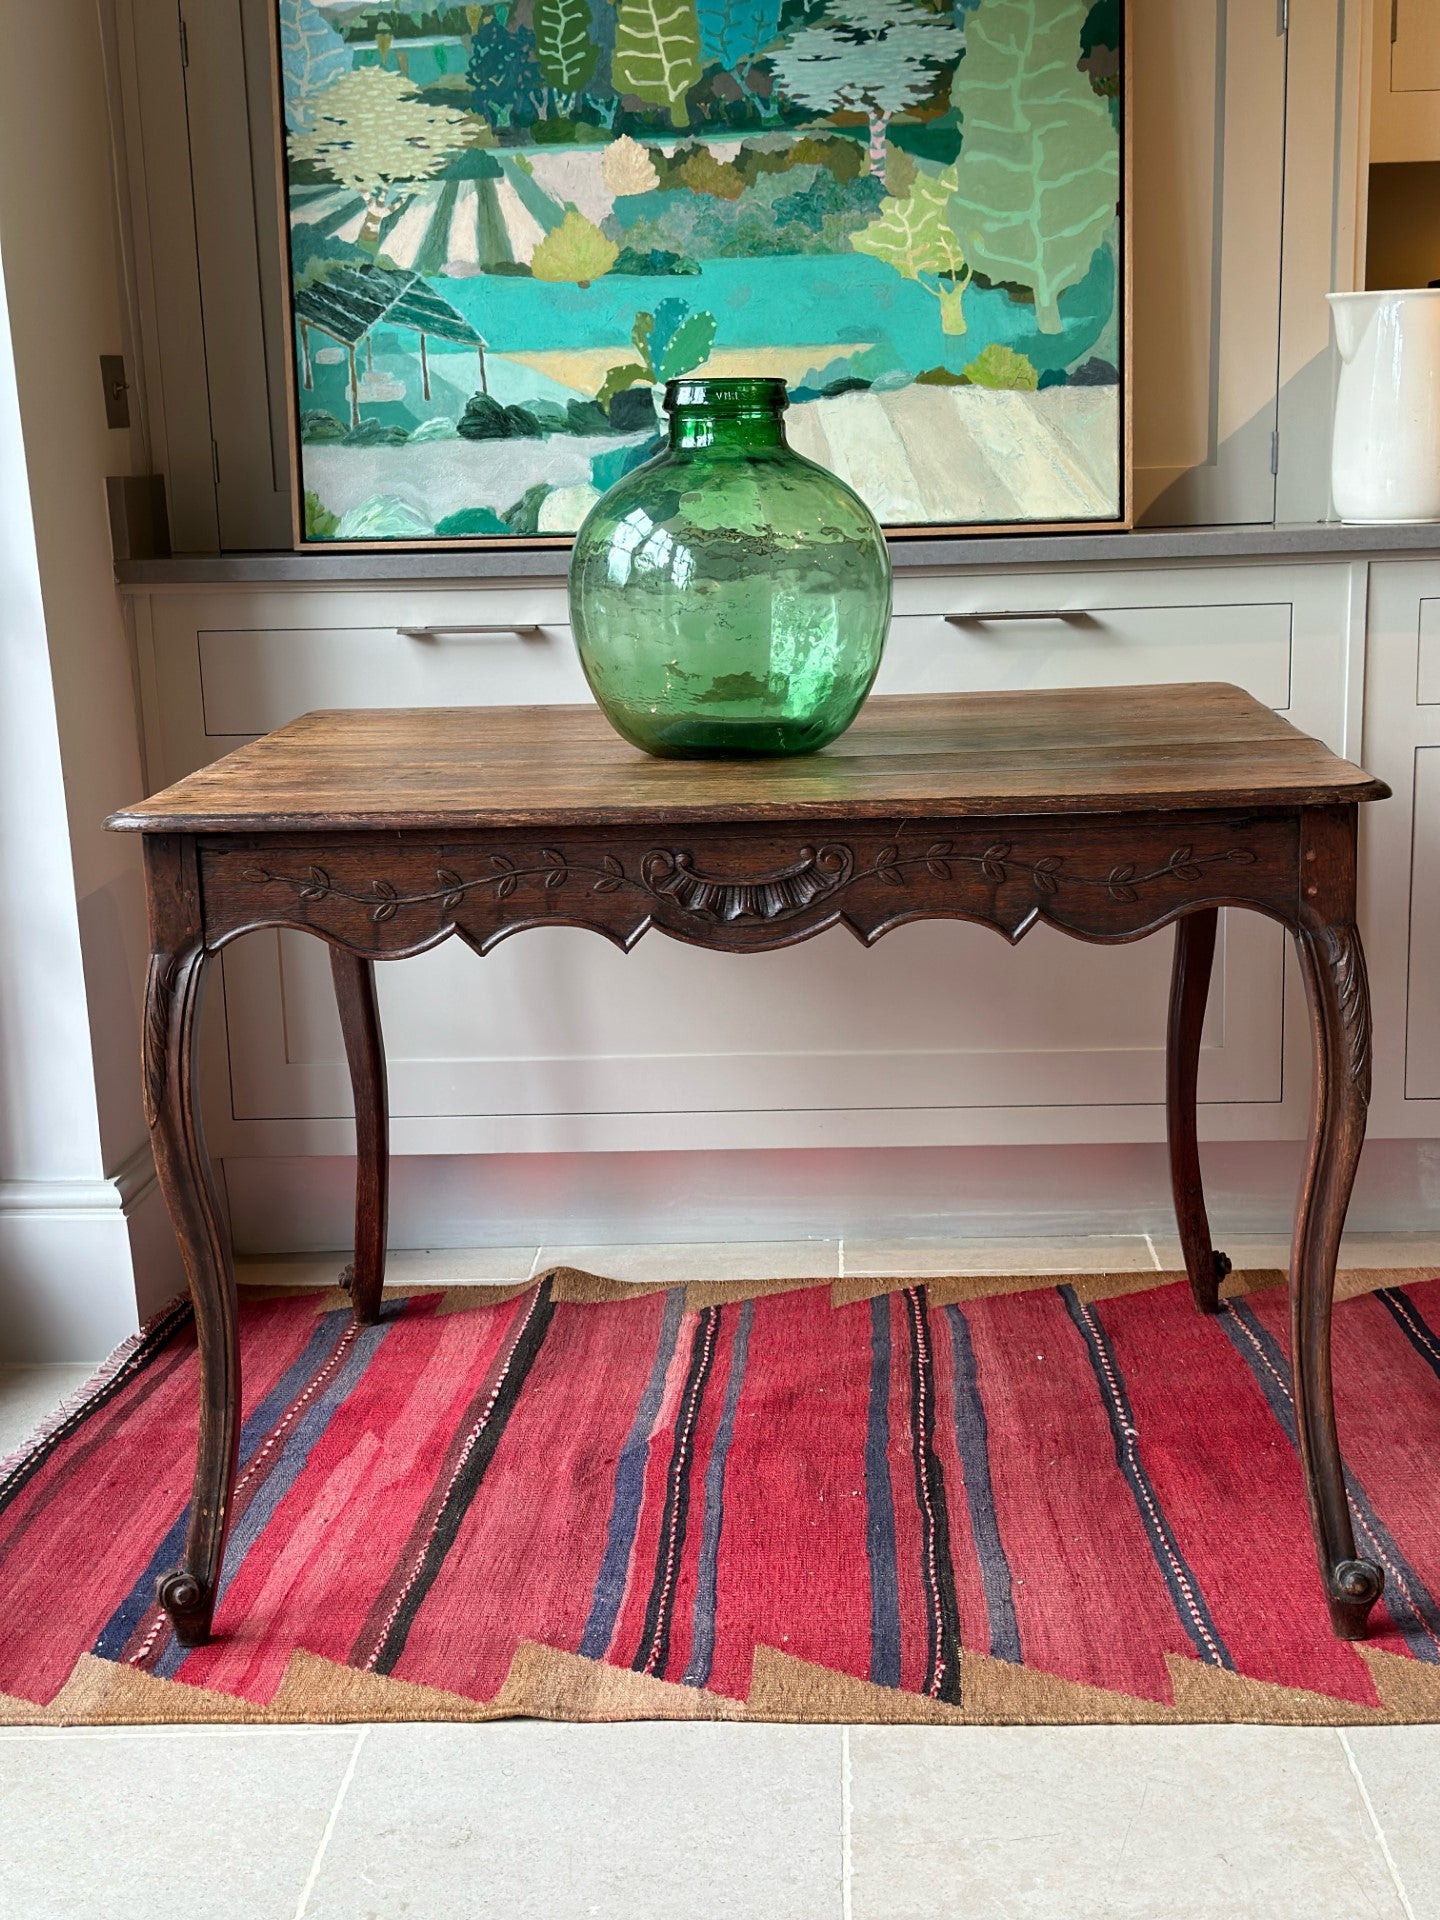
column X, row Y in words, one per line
column 993, row 1501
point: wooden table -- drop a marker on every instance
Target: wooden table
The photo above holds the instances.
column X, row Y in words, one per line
column 1107, row 812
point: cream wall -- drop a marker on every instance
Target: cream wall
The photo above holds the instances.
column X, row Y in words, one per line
column 76, row 1186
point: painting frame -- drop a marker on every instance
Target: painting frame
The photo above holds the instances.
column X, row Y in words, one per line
column 939, row 538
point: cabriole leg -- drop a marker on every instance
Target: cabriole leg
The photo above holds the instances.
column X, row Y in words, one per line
column 1189, row 987
column 365, row 1051
column 1333, row 963
column 178, row 965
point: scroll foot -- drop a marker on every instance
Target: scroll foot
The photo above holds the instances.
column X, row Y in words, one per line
column 1355, row 1586
column 190, row 1607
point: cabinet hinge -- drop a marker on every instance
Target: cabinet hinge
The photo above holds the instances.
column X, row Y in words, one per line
column 215, row 463
column 184, row 43
column 1394, row 21
column 1282, row 18
column 1275, row 452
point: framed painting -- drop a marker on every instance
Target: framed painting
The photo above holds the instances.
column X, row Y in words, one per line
column 509, row 224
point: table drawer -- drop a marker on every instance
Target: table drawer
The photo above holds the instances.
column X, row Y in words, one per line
column 558, row 1043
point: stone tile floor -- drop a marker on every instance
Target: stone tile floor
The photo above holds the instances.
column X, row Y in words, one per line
column 666, row 1822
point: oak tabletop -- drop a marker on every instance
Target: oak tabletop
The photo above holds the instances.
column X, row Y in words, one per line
column 1040, row 751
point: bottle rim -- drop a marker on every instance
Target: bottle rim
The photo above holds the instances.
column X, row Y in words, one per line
column 761, row 394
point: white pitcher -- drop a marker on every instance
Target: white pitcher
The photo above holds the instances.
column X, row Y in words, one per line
column 1385, row 464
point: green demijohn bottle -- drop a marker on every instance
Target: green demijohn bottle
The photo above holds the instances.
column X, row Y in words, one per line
column 729, row 597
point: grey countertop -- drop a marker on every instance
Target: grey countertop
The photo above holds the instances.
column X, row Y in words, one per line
column 993, row 553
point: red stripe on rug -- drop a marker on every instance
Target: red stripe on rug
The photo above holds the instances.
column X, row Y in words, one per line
column 1080, row 1559
column 525, row 1560
column 793, row 1571
column 76, row 1536
column 1387, row 1408
column 1205, row 1429
column 337, row 1539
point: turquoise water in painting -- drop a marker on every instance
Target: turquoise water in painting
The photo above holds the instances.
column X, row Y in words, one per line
column 788, row 300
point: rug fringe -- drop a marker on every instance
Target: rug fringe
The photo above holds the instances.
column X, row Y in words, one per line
column 106, row 1378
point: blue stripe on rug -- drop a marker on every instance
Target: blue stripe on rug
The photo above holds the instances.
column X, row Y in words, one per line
column 880, row 1507
column 629, row 1490
column 972, row 1442
column 329, row 1331
column 1410, row 1604
column 702, row 1640
column 295, row 1451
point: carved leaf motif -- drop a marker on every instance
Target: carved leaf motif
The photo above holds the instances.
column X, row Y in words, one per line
column 1044, row 874
column 992, row 861
column 319, row 885
column 1118, row 884
column 1182, row 864
column 159, row 993
column 1352, row 988
column 935, row 860
column 451, row 880
column 385, row 895
column 501, row 864
column 559, row 871
column 611, row 880
column 887, row 867
column 506, row 887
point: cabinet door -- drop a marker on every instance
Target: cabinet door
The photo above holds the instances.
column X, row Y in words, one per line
column 1401, row 844
column 1414, row 47
column 1405, row 94
column 940, row 1034
column 1208, row 118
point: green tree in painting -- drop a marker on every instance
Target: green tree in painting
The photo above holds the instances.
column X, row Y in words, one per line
column 313, row 56
column 576, row 250
column 1001, row 368
column 657, row 52
column 914, row 236
column 670, row 342
column 373, row 133
column 734, row 33
column 876, row 57
column 1039, row 169
column 563, row 48
column 504, row 73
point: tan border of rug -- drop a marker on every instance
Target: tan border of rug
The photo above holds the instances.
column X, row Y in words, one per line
column 546, row 1684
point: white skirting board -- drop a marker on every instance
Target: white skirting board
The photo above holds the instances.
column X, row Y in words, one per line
column 82, row 1263
column 296, row 1205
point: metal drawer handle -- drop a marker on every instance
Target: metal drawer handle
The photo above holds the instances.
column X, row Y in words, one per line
column 1077, row 616
column 527, row 629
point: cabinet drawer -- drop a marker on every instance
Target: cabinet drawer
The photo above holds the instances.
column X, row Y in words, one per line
column 252, row 680
column 1427, row 673
column 1104, row 646
column 231, row 664
column 265, row 659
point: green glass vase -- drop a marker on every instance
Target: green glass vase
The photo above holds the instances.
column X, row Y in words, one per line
column 729, row 597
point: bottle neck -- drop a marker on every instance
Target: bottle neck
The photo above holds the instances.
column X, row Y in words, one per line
column 701, row 429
